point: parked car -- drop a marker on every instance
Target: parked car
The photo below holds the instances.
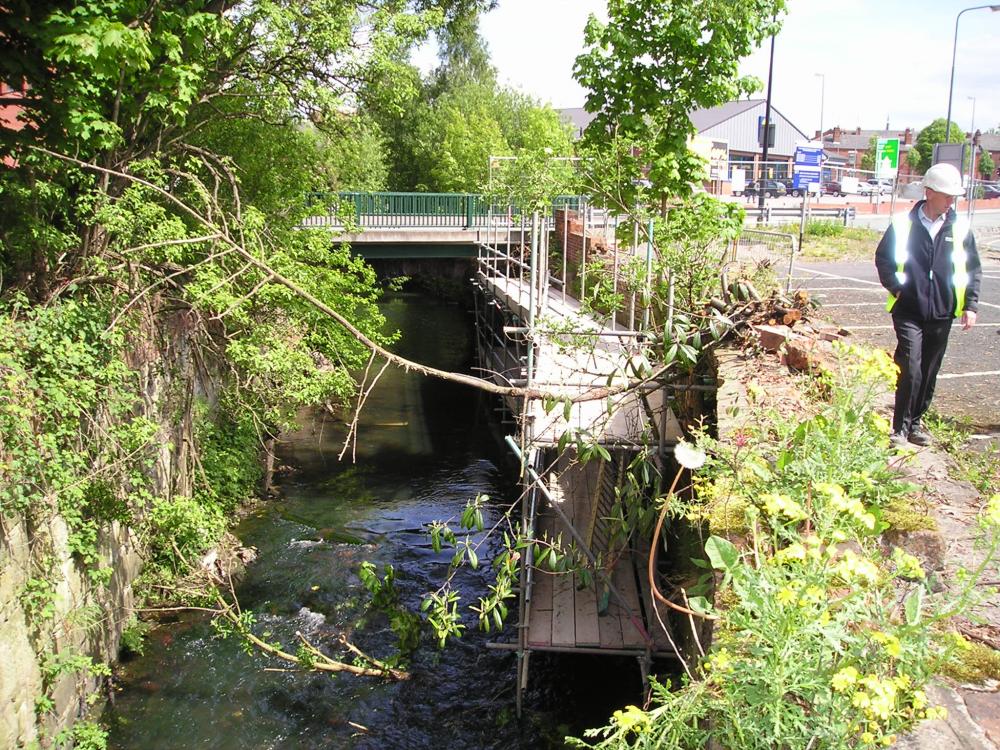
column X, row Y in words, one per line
column 870, row 187
column 831, row 188
column 771, row 188
column 991, row 190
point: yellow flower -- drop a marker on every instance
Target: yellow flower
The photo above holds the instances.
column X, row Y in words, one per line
column 813, row 595
column 844, row 679
column 993, row 510
column 630, row 717
column 794, row 551
column 785, row 595
column 937, row 712
column 777, row 504
column 867, row 737
column 907, row 566
column 891, row 643
column 889, row 739
column 919, row 699
column 720, row 661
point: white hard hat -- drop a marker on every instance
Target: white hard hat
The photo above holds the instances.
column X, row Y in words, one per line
column 944, row 178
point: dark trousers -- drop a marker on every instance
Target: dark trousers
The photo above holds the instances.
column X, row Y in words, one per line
column 920, row 347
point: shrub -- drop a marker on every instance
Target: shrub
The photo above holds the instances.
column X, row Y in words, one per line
column 181, row 529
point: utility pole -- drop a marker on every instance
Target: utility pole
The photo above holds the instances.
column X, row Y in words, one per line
column 766, row 137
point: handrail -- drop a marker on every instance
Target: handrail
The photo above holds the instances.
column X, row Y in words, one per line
column 415, row 210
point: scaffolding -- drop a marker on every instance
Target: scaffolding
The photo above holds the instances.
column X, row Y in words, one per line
column 528, row 319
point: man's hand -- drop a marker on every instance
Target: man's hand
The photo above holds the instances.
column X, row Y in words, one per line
column 968, row 320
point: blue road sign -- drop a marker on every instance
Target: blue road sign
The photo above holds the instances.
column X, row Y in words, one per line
column 808, row 165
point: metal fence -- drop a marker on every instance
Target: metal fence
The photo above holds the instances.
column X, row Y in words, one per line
column 754, row 245
column 416, row 210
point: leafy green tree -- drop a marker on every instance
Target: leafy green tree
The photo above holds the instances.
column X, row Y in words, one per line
column 868, row 157
column 986, row 166
column 922, row 154
column 649, row 66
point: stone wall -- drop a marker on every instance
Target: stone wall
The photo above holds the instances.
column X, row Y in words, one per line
column 88, row 618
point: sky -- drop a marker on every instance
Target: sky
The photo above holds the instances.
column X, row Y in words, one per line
column 881, row 60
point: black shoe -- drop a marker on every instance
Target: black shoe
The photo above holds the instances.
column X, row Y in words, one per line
column 897, row 440
column 919, row 435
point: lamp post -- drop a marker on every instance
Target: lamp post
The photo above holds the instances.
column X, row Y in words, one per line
column 954, row 49
column 972, row 159
column 822, row 101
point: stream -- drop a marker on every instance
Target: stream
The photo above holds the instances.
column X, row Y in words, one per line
column 424, row 448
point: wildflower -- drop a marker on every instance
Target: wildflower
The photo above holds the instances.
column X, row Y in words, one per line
column 785, row 595
column 889, row 739
column 630, row 717
column 891, row 643
column 907, row 566
column 794, row 551
column 813, row 595
column 919, row 699
column 844, row 679
column 852, row 568
column 689, row 456
column 720, row 661
column 777, row 504
column 867, row 737
column 993, row 510
column 937, row 712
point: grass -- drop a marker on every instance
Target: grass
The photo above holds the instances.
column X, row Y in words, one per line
column 976, row 461
column 827, row 240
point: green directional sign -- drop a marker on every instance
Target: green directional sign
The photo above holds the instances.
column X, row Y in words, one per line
column 887, row 157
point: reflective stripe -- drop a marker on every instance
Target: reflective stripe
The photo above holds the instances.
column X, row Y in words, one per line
column 960, row 272
column 900, row 251
column 959, row 230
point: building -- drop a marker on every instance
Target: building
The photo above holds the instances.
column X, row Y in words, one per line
column 733, row 128
column 991, row 142
column 846, row 148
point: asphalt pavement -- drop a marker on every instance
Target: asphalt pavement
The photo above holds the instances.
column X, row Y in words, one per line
column 969, row 384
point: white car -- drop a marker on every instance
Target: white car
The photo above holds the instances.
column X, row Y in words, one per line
column 874, row 186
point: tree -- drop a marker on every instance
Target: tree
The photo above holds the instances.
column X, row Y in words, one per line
column 652, row 64
column 868, row 158
column 922, row 154
column 986, row 165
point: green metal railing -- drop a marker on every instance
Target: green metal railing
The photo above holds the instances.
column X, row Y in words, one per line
column 412, row 210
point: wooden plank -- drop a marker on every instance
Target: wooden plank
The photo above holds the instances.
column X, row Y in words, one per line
column 563, row 611
column 610, row 627
column 540, row 627
column 640, row 562
column 587, row 628
column 625, row 582
column 541, row 591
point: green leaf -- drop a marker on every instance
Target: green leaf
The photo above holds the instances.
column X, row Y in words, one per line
column 913, row 605
column 721, row 553
column 700, row 604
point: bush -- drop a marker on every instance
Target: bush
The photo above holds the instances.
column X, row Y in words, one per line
column 824, row 229
column 180, row 530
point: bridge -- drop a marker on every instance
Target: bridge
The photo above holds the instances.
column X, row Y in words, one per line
column 419, row 225
column 532, row 330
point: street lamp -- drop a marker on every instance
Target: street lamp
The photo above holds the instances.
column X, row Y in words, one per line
column 954, row 49
column 822, row 101
column 972, row 159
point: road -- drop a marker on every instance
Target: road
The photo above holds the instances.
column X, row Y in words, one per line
column 969, row 383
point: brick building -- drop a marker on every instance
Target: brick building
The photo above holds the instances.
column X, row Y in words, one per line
column 846, row 148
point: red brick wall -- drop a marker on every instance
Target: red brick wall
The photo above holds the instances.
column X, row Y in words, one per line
column 570, row 236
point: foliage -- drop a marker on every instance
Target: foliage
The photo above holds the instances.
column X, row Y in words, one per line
column 647, row 68
column 65, row 383
column 822, row 639
column 986, row 166
column 180, row 529
column 134, row 634
column 868, row 157
column 385, row 598
column 84, row 735
column 922, row 153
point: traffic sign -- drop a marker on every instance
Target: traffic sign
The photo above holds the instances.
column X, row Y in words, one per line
column 886, row 157
column 808, row 164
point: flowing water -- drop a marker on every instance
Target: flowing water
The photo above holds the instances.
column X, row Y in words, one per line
column 424, row 448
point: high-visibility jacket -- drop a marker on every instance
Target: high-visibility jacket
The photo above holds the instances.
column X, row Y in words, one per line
column 929, row 279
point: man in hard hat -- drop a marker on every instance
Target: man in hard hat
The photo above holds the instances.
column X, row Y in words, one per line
column 927, row 260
